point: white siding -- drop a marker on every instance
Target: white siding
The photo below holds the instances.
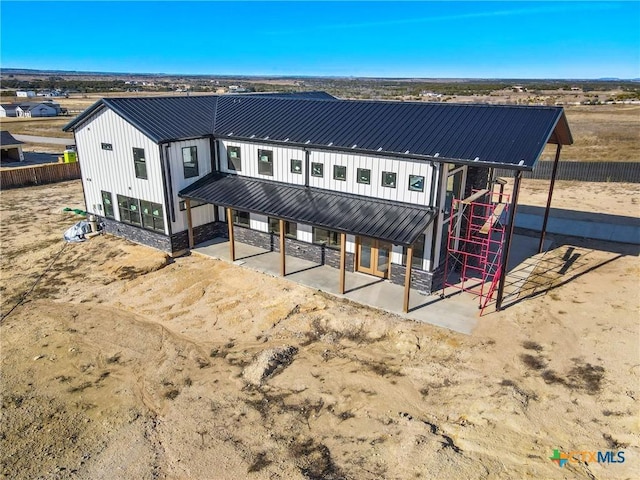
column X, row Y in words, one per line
column 305, row 233
column 173, row 152
column 113, row 170
column 281, row 161
column 259, row 222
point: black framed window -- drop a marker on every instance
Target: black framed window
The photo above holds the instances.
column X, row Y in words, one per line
column 389, row 179
column 418, row 253
column 194, row 203
column 328, row 238
column 265, row 162
column 339, row 172
column 416, row 183
column 129, row 209
column 107, row 146
column 317, row 169
column 241, row 218
column 140, row 163
column 190, row 161
column 107, row 204
column 290, row 228
column 234, row 159
column 152, row 217
column 296, row 166
column 364, row 176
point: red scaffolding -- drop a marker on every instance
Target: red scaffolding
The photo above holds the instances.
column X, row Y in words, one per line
column 475, row 243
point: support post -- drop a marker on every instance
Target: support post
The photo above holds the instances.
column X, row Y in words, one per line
column 547, row 210
column 232, row 242
column 507, row 245
column 283, row 266
column 343, row 260
column 187, row 203
column 407, row 279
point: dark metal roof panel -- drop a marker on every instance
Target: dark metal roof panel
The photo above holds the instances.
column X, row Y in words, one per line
column 7, row 139
column 398, row 223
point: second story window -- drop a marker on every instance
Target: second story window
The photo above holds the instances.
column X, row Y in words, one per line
column 416, row 183
column 265, row 162
column 317, row 169
column 339, row 172
column 389, row 179
column 234, row 160
column 190, row 162
column 139, row 163
column 107, row 146
column 296, row 166
column 364, row 176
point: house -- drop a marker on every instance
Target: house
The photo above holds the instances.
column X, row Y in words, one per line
column 38, row 109
column 8, row 110
column 25, row 93
column 11, row 149
column 360, row 185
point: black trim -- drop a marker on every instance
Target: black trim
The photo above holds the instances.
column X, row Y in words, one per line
column 165, row 190
column 167, row 163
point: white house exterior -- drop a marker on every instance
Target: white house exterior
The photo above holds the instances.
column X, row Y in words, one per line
column 355, row 184
column 25, row 93
column 37, row 110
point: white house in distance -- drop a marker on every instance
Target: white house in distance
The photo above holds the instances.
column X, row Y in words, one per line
column 38, row 109
column 359, row 185
column 25, row 93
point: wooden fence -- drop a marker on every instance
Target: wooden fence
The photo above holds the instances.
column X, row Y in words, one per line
column 39, row 174
column 584, row 171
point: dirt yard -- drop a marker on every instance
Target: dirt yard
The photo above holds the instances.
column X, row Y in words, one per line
column 122, row 363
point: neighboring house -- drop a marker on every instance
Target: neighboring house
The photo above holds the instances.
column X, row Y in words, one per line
column 8, row 110
column 25, row 93
column 11, row 149
column 352, row 183
column 38, row 109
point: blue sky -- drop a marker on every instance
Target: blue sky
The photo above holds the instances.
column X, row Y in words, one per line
column 376, row 39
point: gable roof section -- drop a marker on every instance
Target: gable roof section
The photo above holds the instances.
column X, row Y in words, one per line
column 483, row 135
column 7, row 139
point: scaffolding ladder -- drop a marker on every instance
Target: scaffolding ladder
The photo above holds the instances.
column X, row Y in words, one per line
column 475, row 243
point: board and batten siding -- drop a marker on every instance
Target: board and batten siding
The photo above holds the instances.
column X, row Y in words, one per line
column 202, row 214
column 113, row 170
column 282, row 157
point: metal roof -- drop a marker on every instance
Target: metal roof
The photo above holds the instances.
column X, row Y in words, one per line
column 7, row 139
column 484, row 135
column 395, row 222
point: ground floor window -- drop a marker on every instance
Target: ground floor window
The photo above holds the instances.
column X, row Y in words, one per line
column 152, row 217
column 290, row 228
column 325, row 237
column 418, row 253
column 129, row 210
column 194, row 203
column 107, row 204
column 241, row 218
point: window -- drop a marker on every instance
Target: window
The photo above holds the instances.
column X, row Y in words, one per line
column 265, row 162
column 389, row 179
column 194, row 203
column 317, row 169
column 234, row 161
column 328, row 238
column 296, row 166
column 107, row 146
column 339, row 172
column 416, row 183
column 139, row 163
column 241, row 218
column 152, row 217
column 290, row 228
column 454, row 190
column 129, row 210
column 417, row 255
column 190, row 161
column 107, row 204
column 364, row 176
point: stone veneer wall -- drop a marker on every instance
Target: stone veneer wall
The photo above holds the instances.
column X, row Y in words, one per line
column 137, row 234
column 421, row 280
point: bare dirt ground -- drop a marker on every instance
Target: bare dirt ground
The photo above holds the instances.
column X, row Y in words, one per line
column 122, row 363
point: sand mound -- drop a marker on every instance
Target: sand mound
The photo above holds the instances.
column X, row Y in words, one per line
column 268, row 363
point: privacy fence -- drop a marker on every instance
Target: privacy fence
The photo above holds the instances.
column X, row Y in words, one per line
column 39, row 174
column 584, row 171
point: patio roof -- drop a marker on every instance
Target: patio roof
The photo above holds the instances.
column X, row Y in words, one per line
column 395, row 222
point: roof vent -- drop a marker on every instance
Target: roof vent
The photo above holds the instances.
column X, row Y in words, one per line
column 380, row 149
column 521, row 162
column 330, row 143
column 286, row 139
column 307, row 142
column 231, row 134
column 252, row 136
column 354, row 145
column 476, row 159
column 406, row 152
column 436, row 155
column 267, row 137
